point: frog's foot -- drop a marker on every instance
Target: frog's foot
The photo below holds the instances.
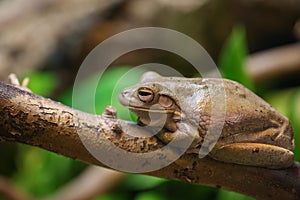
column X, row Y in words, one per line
column 254, row 154
column 166, row 136
column 185, row 136
column 110, row 112
column 13, row 79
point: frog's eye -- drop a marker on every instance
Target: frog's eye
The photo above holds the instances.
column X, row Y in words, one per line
column 165, row 101
column 145, row 95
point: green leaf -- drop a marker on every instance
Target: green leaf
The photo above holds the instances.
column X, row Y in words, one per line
column 224, row 194
column 294, row 116
column 233, row 57
column 150, row 196
column 134, row 182
column 288, row 103
column 112, row 196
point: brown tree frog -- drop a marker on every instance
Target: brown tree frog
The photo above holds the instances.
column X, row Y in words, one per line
column 253, row 133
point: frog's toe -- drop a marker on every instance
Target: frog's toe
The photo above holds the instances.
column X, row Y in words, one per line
column 110, row 112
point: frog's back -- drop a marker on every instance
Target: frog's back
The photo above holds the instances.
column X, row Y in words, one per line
column 249, row 118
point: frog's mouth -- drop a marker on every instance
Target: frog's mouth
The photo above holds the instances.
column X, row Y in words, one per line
column 165, row 111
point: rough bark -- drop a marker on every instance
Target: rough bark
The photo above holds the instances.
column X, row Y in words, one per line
column 37, row 121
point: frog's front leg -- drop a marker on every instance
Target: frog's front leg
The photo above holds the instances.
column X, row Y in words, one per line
column 254, row 154
column 185, row 136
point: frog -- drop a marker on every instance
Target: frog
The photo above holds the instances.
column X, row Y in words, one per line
column 253, row 133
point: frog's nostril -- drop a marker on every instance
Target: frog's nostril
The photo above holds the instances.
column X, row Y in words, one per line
column 125, row 93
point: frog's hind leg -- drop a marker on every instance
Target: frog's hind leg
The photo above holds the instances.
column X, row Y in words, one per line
column 254, row 154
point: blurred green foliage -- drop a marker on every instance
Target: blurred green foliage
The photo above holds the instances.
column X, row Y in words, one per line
column 109, row 86
column 288, row 103
column 293, row 114
column 42, row 83
column 41, row 172
column 137, row 187
column 233, row 58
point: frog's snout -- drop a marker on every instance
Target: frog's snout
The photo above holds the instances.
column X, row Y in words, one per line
column 125, row 94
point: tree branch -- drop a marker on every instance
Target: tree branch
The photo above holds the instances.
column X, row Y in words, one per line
column 274, row 63
column 37, row 121
column 93, row 182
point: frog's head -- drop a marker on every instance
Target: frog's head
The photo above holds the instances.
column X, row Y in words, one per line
column 154, row 96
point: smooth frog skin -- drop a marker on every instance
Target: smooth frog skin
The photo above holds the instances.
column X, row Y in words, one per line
column 254, row 133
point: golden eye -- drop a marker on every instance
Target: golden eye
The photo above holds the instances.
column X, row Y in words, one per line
column 145, row 95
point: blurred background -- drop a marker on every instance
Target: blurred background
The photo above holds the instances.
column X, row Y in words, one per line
column 253, row 42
